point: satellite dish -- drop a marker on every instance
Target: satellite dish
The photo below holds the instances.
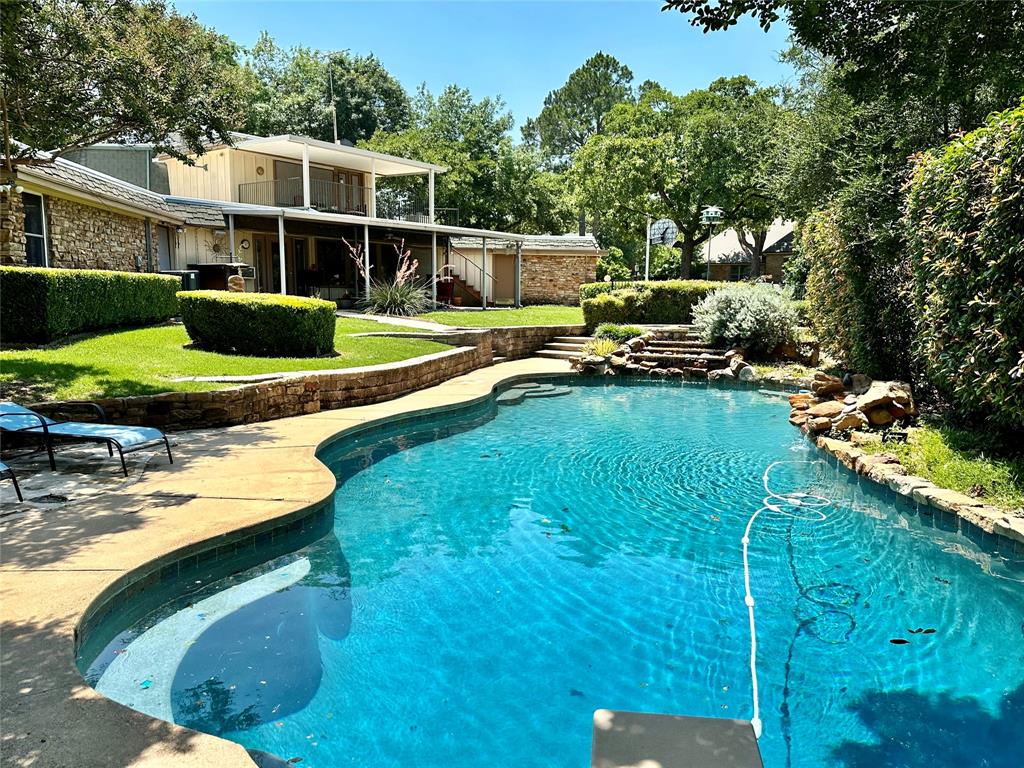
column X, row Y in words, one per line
column 664, row 232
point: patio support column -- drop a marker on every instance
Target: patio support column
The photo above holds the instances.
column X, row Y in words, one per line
column 430, row 195
column 372, row 202
column 366, row 255
column 519, row 274
column 231, row 236
column 433, row 267
column 280, row 253
column 305, row 175
column 483, row 273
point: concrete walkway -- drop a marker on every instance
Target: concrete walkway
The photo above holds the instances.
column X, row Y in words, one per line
column 408, row 322
column 55, row 562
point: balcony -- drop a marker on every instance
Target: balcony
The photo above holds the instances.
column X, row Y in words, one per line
column 326, row 196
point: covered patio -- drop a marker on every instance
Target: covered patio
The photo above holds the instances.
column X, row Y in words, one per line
column 306, row 252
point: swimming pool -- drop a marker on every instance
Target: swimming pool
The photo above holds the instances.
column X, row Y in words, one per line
column 495, row 574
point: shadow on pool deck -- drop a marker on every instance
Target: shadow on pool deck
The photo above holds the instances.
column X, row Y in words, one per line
column 915, row 731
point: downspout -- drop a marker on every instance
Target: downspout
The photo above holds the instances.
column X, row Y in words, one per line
column 148, row 223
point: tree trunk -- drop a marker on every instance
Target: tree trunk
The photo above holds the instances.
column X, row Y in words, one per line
column 756, row 253
column 583, row 222
column 686, row 256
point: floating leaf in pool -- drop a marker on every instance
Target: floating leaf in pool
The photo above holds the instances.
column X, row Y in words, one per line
column 899, row 641
column 929, row 631
column 485, row 455
column 146, row 684
column 917, row 631
column 565, row 528
column 941, row 580
column 574, row 692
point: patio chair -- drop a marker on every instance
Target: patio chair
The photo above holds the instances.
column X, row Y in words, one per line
column 6, row 471
column 16, row 419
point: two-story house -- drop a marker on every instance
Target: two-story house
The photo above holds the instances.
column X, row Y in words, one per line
column 288, row 213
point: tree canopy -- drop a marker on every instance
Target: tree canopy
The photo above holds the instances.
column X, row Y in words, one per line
column 85, row 71
column 673, row 155
column 577, row 110
column 289, row 91
column 490, row 182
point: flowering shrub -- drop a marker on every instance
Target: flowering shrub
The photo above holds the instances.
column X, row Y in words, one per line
column 756, row 317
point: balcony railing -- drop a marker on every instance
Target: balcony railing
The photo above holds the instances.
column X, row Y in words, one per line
column 327, row 196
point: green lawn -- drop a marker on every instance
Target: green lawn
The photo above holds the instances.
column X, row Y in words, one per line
column 961, row 461
column 542, row 314
column 143, row 361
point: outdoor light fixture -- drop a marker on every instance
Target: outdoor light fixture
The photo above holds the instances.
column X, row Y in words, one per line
column 710, row 216
column 8, row 187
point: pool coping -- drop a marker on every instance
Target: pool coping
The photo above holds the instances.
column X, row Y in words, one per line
column 61, row 567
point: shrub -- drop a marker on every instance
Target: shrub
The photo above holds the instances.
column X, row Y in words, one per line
column 263, row 324
column 858, row 281
column 619, row 307
column 668, row 301
column 619, row 333
column 43, row 304
column 966, row 238
column 756, row 317
column 395, row 298
column 600, row 347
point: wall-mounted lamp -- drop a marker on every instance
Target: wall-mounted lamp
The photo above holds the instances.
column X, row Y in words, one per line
column 179, row 229
column 18, row 189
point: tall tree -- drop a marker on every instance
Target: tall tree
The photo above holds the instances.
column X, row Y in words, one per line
column 290, row 92
column 78, row 72
column 577, row 110
column 673, row 155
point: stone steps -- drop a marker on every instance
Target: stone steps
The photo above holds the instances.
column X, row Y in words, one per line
column 564, row 347
column 708, row 361
column 519, row 392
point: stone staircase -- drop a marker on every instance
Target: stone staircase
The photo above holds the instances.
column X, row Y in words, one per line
column 564, row 347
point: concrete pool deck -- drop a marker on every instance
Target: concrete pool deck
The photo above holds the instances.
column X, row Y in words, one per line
column 56, row 562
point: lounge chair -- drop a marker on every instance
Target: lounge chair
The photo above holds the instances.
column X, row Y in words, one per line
column 17, row 419
column 6, row 471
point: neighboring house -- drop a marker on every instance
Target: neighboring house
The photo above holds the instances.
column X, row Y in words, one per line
column 729, row 260
column 282, row 211
column 552, row 267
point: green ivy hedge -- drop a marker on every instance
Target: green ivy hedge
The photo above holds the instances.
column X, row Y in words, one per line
column 663, row 301
column 966, row 237
column 261, row 324
column 39, row 305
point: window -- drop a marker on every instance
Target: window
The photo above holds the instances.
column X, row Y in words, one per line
column 35, row 230
column 739, row 271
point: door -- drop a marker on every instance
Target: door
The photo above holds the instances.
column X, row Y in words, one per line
column 268, row 269
column 163, row 247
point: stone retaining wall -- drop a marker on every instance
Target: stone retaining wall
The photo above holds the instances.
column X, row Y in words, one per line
column 291, row 395
column 523, row 341
column 555, row 278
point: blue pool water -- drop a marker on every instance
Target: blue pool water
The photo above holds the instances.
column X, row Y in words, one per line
column 495, row 576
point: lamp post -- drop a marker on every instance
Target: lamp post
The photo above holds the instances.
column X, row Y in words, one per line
column 710, row 216
column 647, row 251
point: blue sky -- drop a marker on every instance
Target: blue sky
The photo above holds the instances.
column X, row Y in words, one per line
column 520, row 50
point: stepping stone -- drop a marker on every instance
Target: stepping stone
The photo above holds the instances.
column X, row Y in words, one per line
column 512, row 397
column 552, row 392
column 526, row 385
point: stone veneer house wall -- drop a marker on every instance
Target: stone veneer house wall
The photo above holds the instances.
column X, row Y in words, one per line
column 553, row 268
column 82, row 219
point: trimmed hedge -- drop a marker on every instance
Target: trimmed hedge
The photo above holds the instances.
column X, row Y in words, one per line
column 966, row 236
column 656, row 301
column 260, row 324
column 39, row 304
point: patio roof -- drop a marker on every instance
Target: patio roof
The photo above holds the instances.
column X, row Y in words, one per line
column 326, row 153
column 304, row 214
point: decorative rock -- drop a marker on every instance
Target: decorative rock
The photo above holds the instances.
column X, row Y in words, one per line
column 880, row 417
column 236, row 283
column 660, row 372
column 721, row 373
column 819, row 423
column 859, row 383
column 850, row 400
column 823, row 384
column 850, row 420
column 829, row 408
column 618, row 362
column 797, row 418
column 736, row 363
column 906, row 485
column 801, row 401
column 882, row 393
column 747, row 373
column 678, row 372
